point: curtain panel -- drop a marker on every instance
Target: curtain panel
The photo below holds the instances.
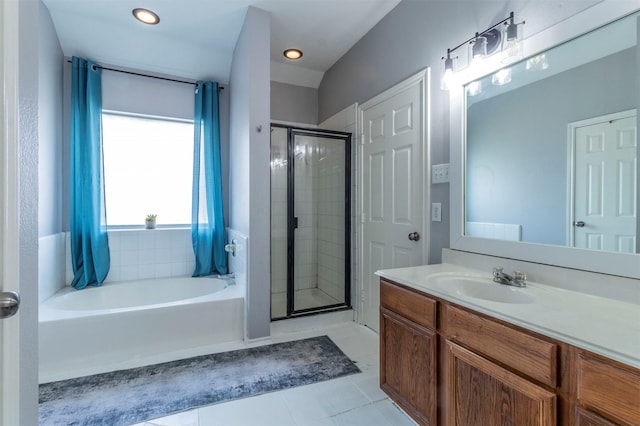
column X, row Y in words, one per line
column 89, row 242
column 207, row 221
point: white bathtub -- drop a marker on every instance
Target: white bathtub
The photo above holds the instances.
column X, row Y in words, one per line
column 127, row 324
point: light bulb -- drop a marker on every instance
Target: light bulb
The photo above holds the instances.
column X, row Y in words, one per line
column 447, row 76
column 447, row 79
column 511, row 44
column 478, row 49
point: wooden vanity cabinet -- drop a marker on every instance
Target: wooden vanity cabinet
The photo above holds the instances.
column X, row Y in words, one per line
column 480, row 392
column 449, row 365
column 608, row 388
column 492, row 372
column 409, row 351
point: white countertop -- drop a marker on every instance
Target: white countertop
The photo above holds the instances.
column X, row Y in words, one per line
column 604, row 326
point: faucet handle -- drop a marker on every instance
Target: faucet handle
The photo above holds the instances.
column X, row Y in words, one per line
column 497, row 270
column 519, row 276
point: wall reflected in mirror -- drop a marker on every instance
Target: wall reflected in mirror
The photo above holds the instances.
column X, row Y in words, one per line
column 551, row 145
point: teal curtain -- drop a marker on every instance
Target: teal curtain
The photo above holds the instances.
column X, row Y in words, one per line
column 207, row 221
column 89, row 242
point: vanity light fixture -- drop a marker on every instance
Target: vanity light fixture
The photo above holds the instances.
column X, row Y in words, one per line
column 292, row 54
column 512, row 41
column 486, row 43
column 146, row 16
column 447, row 75
column 478, row 48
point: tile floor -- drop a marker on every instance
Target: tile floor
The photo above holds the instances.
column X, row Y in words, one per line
column 353, row 400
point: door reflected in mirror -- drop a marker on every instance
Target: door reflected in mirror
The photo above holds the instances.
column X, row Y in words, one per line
column 551, row 152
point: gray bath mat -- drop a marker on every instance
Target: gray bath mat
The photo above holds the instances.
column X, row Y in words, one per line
column 131, row 396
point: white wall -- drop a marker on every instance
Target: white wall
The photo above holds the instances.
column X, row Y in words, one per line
column 51, row 251
column 49, row 127
column 249, row 161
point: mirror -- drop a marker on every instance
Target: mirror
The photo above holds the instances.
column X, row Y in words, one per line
column 550, row 155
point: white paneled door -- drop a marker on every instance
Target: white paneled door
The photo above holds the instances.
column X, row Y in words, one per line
column 393, row 181
column 18, row 341
column 605, row 184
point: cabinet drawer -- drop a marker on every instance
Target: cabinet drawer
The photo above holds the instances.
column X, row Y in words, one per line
column 531, row 356
column 610, row 389
column 409, row 304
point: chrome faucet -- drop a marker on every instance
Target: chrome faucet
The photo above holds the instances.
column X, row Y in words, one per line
column 516, row 280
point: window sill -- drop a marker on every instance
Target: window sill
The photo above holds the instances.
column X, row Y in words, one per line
column 134, row 228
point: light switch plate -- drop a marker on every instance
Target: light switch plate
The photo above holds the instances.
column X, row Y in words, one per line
column 436, row 212
column 440, row 173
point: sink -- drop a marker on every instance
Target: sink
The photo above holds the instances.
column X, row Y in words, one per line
column 481, row 288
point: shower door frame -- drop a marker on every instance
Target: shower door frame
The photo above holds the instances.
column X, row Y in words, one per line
column 292, row 132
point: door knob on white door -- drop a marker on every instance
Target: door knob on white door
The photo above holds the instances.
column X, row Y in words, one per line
column 579, row 224
column 9, row 304
column 414, row 236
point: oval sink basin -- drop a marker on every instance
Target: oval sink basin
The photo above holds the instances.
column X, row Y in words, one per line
column 483, row 288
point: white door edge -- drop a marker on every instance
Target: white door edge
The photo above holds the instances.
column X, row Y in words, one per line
column 423, row 78
column 9, row 236
column 571, row 152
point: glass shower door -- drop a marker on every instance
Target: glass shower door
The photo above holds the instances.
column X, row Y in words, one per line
column 319, row 218
column 310, row 226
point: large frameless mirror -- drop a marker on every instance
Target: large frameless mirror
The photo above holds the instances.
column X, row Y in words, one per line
column 549, row 154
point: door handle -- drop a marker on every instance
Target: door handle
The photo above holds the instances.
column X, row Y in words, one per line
column 414, row 236
column 9, row 304
column 579, row 224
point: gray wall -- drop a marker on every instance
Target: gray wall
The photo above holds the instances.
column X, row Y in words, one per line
column 521, row 146
column 249, row 160
column 415, row 35
column 295, row 104
column 49, row 127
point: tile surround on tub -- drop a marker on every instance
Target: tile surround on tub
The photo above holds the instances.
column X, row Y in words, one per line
column 51, row 261
column 145, row 253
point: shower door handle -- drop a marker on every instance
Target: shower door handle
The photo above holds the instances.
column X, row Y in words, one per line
column 9, row 304
column 295, row 223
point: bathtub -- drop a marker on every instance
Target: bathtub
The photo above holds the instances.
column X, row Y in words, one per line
column 128, row 324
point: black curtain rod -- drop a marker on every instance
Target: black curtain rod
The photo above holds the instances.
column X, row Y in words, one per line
column 147, row 75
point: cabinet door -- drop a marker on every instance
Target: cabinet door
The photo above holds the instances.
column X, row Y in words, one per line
column 481, row 393
column 587, row 418
column 408, row 366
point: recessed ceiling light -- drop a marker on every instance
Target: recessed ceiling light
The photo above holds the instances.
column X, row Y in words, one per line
column 146, row 16
column 292, row 54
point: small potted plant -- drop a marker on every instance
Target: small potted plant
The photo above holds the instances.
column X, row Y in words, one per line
column 150, row 221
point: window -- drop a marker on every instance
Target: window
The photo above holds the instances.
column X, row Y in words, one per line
column 148, row 168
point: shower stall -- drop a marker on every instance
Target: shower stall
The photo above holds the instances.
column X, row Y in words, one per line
column 310, row 221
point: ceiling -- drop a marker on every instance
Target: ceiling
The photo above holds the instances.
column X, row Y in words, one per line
column 195, row 38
